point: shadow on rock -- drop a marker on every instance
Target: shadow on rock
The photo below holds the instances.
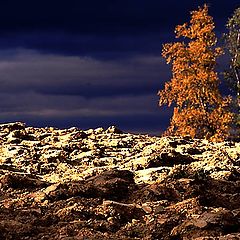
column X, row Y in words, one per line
column 113, row 185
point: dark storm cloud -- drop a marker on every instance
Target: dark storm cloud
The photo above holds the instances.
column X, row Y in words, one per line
column 86, row 16
column 46, row 88
column 87, row 77
column 103, row 29
column 90, row 63
column 97, row 16
column 98, row 46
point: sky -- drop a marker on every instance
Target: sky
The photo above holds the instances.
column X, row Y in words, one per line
column 91, row 63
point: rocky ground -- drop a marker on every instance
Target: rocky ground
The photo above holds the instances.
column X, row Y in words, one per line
column 106, row 184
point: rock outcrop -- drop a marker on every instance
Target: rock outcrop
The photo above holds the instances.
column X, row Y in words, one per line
column 106, row 184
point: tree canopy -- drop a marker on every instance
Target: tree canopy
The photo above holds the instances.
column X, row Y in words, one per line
column 199, row 109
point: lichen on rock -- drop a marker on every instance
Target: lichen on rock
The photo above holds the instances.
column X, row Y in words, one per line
column 107, row 184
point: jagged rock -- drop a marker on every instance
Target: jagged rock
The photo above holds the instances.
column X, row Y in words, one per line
column 210, row 224
column 107, row 184
column 18, row 181
column 13, row 126
column 113, row 129
column 113, row 184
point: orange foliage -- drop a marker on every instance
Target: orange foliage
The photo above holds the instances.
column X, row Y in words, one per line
column 200, row 110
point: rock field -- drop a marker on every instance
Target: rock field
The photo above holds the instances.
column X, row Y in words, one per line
column 106, row 184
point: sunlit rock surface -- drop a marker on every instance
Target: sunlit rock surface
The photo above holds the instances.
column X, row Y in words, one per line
column 106, row 184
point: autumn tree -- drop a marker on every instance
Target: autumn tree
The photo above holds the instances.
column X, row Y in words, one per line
column 199, row 109
column 232, row 47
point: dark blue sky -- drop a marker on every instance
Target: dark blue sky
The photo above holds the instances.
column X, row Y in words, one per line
column 90, row 63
